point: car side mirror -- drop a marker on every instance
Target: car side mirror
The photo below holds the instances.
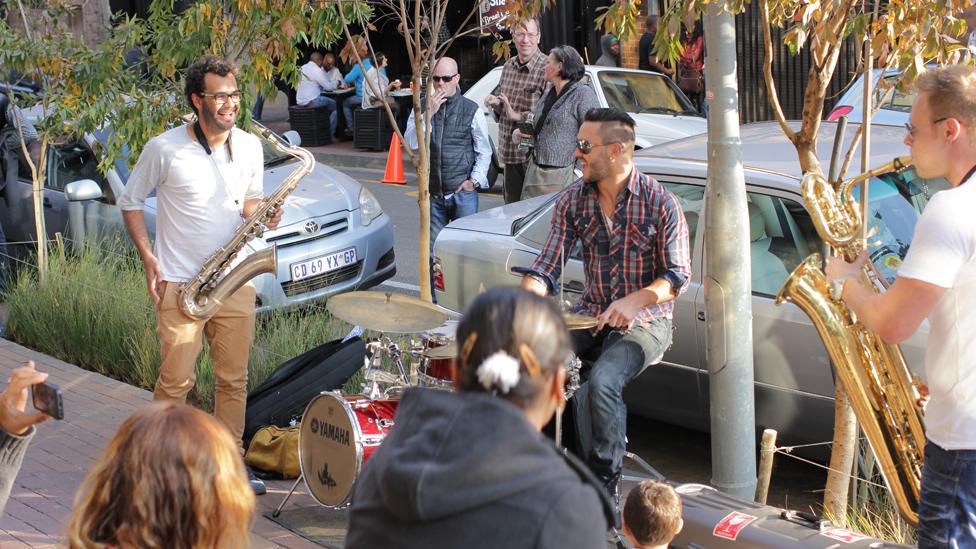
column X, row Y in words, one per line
column 292, row 137
column 85, row 189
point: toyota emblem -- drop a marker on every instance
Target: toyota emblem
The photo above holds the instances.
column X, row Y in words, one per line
column 311, row 227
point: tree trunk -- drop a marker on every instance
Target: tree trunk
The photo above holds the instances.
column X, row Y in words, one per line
column 841, row 457
column 39, row 226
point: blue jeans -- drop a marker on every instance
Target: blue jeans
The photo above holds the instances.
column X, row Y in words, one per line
column 600, row 412
column 947, row 506
column 323, row 101
column 348, row 105
column 445, row 210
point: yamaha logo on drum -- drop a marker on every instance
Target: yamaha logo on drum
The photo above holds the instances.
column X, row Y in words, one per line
column 330, row 431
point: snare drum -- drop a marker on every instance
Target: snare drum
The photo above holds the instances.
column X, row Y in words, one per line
column 439, row 372
column 338, row 435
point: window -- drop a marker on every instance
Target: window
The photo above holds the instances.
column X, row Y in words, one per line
column 781, row 235
column 641, row 92
column 73, row 162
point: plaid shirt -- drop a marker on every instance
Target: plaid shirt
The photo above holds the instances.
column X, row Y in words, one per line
column 648, row 241
column 523, row 84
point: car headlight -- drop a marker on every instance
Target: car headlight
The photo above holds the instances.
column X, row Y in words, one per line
column 369, row 207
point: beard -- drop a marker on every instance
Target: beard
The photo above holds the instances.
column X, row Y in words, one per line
column 209, row 117
column 594, row 172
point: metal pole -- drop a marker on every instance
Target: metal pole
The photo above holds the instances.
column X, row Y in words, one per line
column 767, row 451
column 728, row 272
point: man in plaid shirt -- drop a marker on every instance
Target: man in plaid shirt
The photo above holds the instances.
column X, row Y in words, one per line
column 636, row 260
column 522, row 84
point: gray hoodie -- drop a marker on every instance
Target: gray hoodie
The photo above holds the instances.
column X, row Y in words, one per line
column 468, row 471
column 607, row 58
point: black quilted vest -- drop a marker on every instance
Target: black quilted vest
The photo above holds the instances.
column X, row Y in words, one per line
column 451, row 144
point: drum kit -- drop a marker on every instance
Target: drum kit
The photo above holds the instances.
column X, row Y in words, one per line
column 340, row 432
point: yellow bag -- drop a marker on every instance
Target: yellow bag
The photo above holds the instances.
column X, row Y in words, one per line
column 275, row 449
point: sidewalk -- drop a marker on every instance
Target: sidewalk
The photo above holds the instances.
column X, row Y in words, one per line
column 62, row 452
column 340, row 154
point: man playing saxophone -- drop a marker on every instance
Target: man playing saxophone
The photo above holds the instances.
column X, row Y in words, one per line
column 208, row 175
column 937, row 281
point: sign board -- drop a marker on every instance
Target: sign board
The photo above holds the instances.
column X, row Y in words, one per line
column 493, row 15
column 730, row 526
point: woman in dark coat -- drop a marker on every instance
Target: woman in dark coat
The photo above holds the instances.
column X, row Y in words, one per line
column 471, row 469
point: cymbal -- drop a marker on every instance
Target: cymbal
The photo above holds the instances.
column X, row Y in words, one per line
column 386, row 312
column 579, row 322
column 446, row 351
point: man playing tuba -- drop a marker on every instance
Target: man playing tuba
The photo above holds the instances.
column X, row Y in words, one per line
column 207, row 176
column 937, row 281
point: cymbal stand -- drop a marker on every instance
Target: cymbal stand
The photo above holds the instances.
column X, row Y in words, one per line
column 376, row 349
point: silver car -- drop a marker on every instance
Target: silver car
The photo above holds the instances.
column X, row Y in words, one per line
column 793, row 380
column 333, row 236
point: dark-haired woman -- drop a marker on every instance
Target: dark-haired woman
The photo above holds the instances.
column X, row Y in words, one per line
column 471, row 469
column 555, row 122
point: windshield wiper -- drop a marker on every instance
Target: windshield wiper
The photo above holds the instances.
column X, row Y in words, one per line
column 668, row 110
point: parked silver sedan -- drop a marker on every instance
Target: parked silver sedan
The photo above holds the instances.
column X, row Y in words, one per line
column 333, row 235
column 793, row 379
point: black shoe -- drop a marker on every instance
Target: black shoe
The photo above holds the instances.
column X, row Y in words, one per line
column 257, row 484
column 612, row 486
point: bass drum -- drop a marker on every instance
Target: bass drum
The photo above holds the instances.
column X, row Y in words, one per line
column 338, row 435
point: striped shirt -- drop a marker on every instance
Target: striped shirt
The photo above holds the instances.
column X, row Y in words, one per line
column 523, row 84
column 646, row 240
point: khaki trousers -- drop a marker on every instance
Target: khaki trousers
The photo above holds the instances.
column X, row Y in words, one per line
column 230, row 333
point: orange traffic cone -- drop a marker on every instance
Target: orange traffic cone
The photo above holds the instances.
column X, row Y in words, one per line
column 394, row 163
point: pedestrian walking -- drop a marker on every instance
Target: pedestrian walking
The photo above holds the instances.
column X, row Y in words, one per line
column 554, row 124
column 648, row 61
column 523, row 83
column 471, row 469
column 207, row 175
column 937, row 281
column 636, row 261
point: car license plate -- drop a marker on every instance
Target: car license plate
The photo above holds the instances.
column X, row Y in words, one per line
column 324, row 264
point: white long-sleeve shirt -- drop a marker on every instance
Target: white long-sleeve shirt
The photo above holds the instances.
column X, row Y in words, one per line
column 313, row 82
column 482, row 146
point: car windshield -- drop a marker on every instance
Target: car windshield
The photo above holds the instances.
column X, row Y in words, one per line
column 643, row 92
column 894, row 204
column 271, row 154
column 892, row 99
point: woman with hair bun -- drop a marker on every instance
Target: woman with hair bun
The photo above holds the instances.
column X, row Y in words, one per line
column 471, row 469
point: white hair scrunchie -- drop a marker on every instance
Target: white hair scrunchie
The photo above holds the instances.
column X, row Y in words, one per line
column 499, row 371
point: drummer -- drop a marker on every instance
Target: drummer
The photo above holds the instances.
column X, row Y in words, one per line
column 456, row 465
column 636, row 262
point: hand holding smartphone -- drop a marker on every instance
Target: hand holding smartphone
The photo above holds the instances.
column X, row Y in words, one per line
column 13, row 401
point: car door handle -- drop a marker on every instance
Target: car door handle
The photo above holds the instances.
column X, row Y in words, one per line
column 701, row 315
column 574, row 286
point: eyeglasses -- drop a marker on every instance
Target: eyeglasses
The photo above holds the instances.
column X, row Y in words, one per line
column 911, row 129
column 222, row 98
column 585, row 146
column 445, row 79
column 521, row 35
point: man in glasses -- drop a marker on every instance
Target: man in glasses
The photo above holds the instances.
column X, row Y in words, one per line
column 207, row 175
column 523, row 81
column 636, row 261
column 937, row 281
column 459, row 148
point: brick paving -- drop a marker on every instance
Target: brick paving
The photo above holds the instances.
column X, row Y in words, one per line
column 62, row 451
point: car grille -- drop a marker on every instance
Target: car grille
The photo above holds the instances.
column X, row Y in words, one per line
column 327, row 229
column 323, row 280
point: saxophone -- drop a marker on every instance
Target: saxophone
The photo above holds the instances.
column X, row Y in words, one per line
column 883, row 393
column 203, row 295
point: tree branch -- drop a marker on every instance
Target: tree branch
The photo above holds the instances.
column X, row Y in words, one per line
column 768, row 73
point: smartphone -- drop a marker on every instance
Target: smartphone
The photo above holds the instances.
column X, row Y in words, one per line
column 47, row 399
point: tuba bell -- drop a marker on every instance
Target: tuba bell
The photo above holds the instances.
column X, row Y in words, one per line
column 883, row 393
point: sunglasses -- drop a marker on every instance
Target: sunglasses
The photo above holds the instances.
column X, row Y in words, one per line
column 585, row 146
column 445, row 79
